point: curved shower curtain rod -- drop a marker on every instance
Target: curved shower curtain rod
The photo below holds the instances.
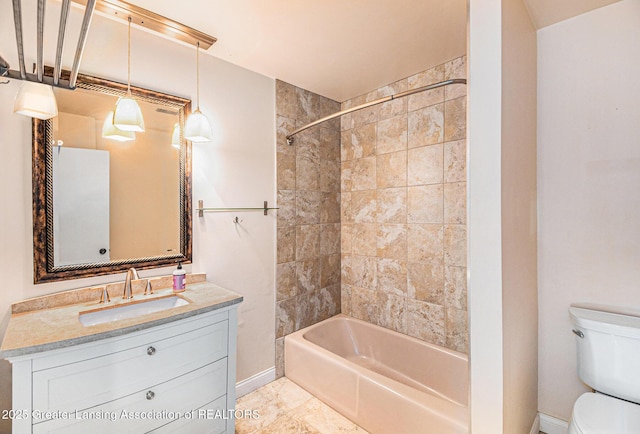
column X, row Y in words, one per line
column 290, row 139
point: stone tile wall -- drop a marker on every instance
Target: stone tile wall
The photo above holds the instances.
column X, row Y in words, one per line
column 372, row 218
column 308, row 236
column 403, row 209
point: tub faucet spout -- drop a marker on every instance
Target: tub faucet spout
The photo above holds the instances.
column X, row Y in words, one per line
column 132, row 274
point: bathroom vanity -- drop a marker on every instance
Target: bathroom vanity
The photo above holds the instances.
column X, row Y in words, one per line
column 160, row 372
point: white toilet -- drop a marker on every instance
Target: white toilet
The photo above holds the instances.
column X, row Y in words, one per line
column 608, row 362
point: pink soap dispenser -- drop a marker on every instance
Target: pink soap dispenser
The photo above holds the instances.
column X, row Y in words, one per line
column 179, row 279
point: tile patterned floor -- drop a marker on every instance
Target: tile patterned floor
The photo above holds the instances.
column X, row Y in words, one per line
column 285, row 408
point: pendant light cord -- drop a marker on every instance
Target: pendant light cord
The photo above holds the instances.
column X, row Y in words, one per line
column 198, row 76
column 129, row 60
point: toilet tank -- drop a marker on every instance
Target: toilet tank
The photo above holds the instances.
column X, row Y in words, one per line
column 608, row 350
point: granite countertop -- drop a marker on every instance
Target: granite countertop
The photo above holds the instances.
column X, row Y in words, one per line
column 51, row 322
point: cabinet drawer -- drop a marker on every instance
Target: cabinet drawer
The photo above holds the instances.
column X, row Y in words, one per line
column 90, row 350
column 201, row 422
column 84, row 384
column 136, row 413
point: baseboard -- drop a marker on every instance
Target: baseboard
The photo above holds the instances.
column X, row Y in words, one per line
column 535, row 428
column 552, row 425
column 252, row 383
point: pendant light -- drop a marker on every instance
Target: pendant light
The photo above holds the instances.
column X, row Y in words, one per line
column 111, row 132
column 36, row 100
column 198, row 128
column 127, row 115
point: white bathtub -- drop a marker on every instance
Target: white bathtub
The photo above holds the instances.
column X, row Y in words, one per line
column 384, row 381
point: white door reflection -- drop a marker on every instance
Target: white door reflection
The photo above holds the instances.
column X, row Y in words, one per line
column 80, row 206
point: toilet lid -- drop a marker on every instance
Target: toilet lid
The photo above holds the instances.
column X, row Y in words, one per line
column 595, row 413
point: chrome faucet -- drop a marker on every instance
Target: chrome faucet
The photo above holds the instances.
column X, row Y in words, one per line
column 132, row 274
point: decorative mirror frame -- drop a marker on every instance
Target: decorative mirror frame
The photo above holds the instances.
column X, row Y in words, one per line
column 42, row 186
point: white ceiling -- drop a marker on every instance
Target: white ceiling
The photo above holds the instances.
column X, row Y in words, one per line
column 340, row 48
column 543, row 13
column 336, row 48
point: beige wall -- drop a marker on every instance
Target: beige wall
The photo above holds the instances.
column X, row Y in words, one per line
column 502, row 220
column 484, row 215
column 588, row 182
column 236, row 169
column 519, row 224
column 404, row 209
column 144, row 219
column 308, row 252
column 72, row 130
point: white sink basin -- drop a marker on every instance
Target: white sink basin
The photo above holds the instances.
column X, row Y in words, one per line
column 130, row 310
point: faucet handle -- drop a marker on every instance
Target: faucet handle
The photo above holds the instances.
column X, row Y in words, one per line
column 104, row 296
column 148, row 289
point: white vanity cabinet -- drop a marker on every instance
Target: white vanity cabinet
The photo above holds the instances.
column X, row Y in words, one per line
column 175, row 377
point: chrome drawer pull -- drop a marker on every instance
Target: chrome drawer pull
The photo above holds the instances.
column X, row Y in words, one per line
column 151, row 351
column 150, row 395
column 578, row 333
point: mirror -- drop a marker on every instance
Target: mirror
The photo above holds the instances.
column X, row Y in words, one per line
column 101, row 205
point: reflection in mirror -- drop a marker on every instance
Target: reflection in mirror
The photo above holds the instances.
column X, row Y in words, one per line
column 97, row 216
column 106, row 200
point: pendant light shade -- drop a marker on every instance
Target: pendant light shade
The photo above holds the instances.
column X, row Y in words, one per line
column 198, row 129
column 36, row 100
column 175, row 136
column 111, row 132
column 127, row 115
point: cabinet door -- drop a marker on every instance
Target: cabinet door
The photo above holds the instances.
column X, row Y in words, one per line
column 85, row 384
column 147, row 409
